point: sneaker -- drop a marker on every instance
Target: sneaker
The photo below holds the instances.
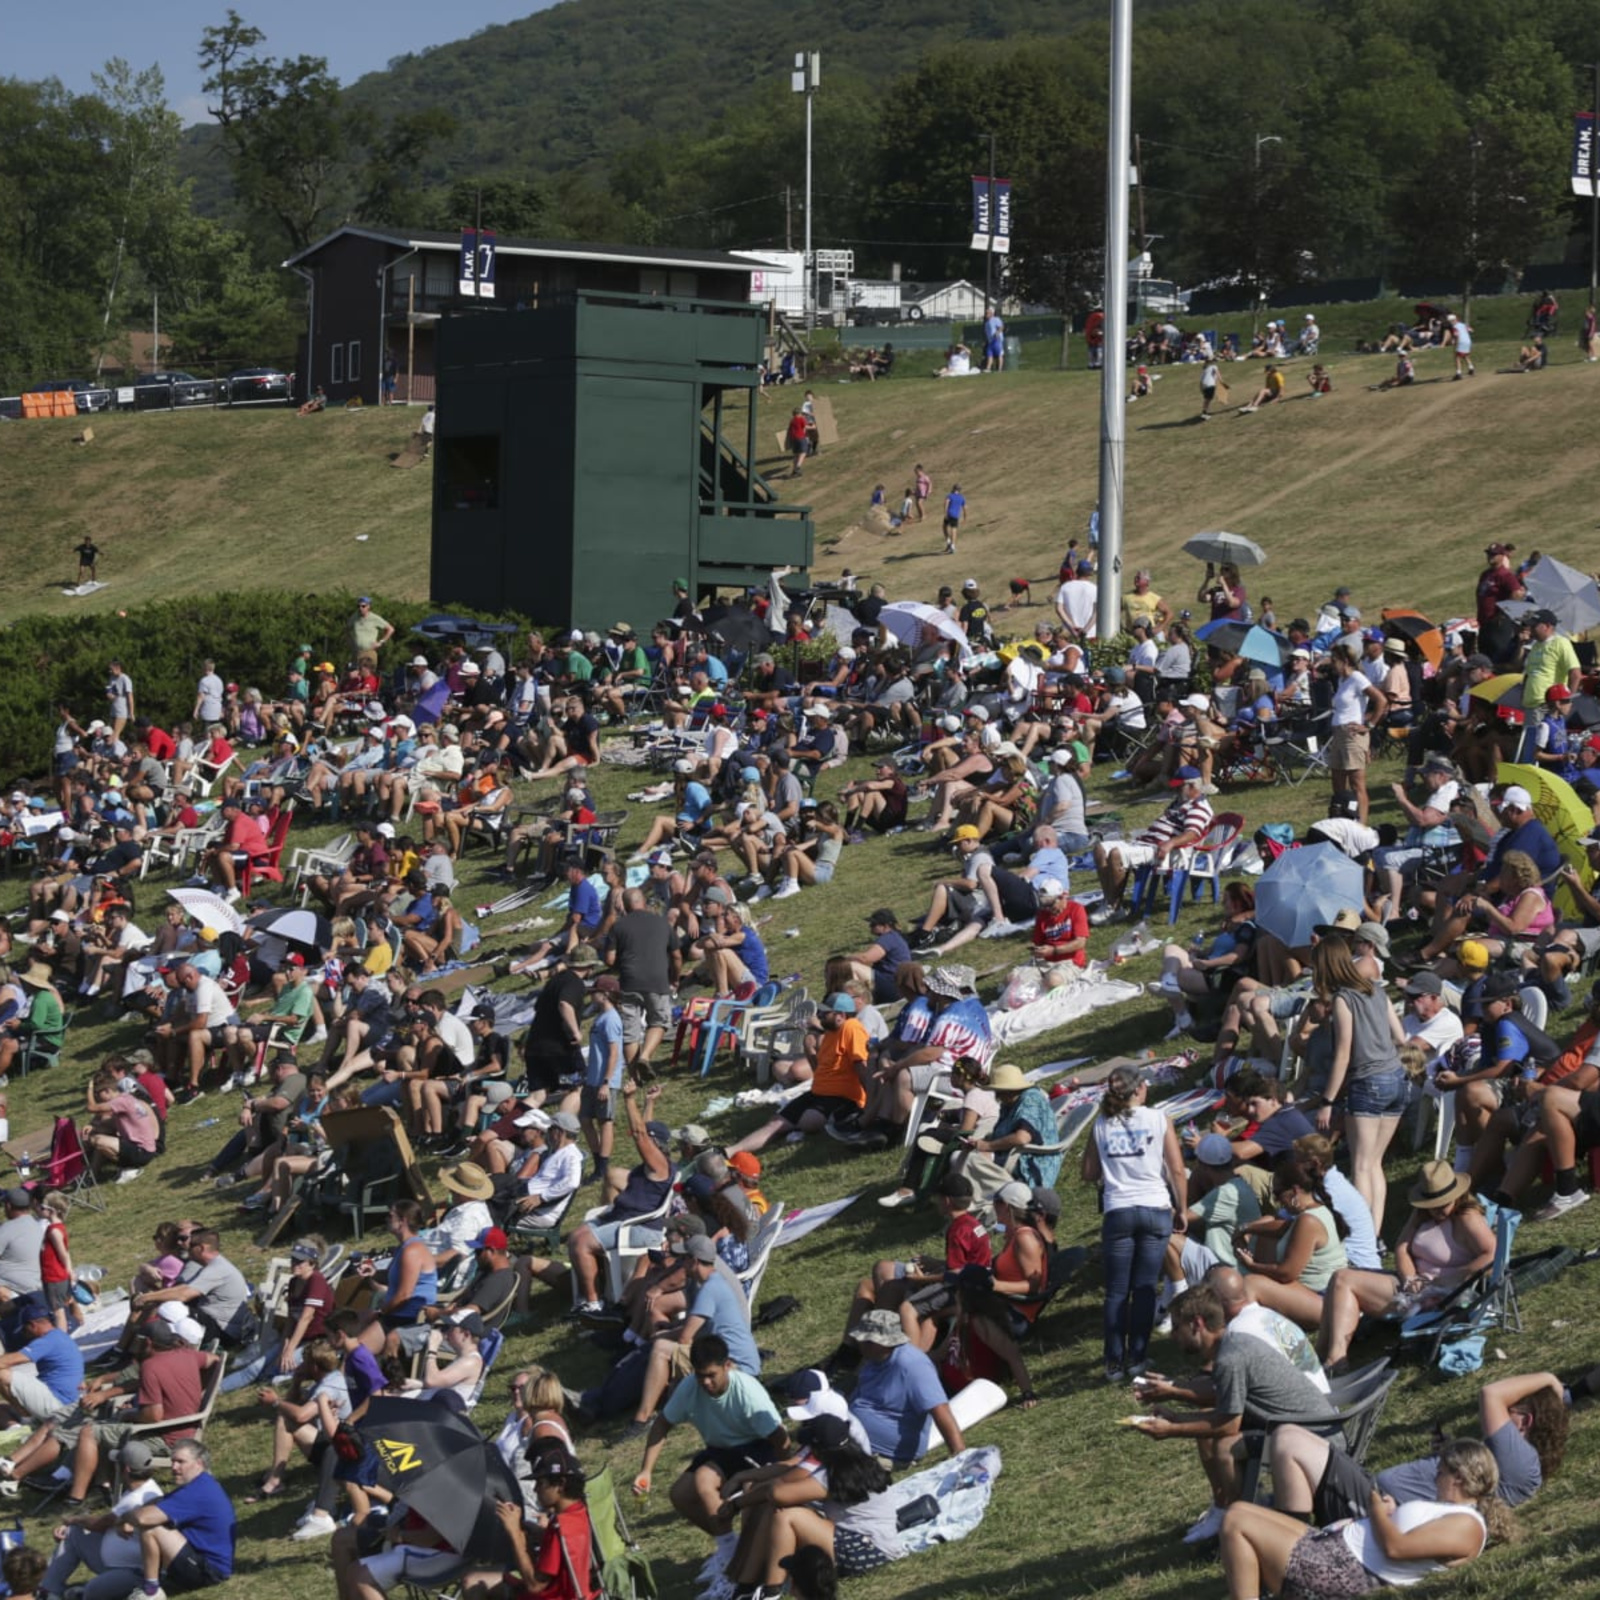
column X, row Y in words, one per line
column 1101, row 915
column 1207, row 1528
column 1164, row 1323
column 320, row 1036
column 791, row 887
column 763, row 893
column 237, row 1081
column 1116, row 1375
column 10, row 1488
column 227, row 1180
column 1560, row 1204
column 900, row 1197
column 129, row 1174
column 7, row 1466
column 635, row 1430
column 232, row 897
column 1181, row 1025
column 319, row 1525
column 588, row 1308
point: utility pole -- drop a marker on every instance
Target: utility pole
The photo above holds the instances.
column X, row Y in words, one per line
column 988, row 254
column 804, row 80
column 1138, row 174
column 1594, row 190
column 1113, row 403
column 788, row 216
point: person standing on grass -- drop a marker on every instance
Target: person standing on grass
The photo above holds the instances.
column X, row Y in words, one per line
column 924, row 487
column 994, row 341
column 602, row 1078
column 1457, row 333
column 798, row 440
column 88, row 552
column 1210, row 382
column 1358, row 706
column 955, row 508
column 1588, row 337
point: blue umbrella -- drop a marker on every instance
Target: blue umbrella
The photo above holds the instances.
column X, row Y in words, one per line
column 1303, row 888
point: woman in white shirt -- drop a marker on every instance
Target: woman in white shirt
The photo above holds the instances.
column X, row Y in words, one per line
column 1135, row 1158
column 1350, row 744
column 1264, row 1550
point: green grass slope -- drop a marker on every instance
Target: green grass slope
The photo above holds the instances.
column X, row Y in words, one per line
column 1394, row 493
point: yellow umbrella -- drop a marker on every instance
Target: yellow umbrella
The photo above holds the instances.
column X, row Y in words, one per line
column 1506, row 690
column 1568, row 819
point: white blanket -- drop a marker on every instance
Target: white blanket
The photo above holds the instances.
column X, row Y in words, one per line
column 1055, row 1008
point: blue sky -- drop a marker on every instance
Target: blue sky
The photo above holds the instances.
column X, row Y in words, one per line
column 356, row 36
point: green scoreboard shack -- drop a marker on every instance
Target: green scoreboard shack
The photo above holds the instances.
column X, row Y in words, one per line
column 589, row 452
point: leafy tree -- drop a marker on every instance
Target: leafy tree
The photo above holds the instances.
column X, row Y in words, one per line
column 511, row 206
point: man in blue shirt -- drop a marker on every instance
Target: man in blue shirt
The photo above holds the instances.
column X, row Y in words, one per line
column 602, row 1074
column 715, row 1306
column 994, row 341
column 583, row 921
column 898, row 1393
column 52, row 1387
column 186, row 1538
column 731, row 955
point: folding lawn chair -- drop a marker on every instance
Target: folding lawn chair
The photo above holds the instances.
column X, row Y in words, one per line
column 617, row 1564
column 1486, row 1301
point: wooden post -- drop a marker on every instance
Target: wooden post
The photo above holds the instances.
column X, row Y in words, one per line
column 411, row 335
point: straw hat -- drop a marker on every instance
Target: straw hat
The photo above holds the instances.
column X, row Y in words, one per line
column 468, row 1179
column 1438, row 1185
column 36, row 975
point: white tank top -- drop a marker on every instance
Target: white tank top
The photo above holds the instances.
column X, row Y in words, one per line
column 1358, row 1537
column 1350, row 700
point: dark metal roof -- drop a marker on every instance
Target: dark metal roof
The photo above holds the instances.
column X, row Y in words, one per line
column 570, row 249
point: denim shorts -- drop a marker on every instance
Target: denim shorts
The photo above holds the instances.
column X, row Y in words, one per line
column 1383, row 1094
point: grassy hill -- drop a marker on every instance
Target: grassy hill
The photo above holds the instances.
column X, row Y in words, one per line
column 1394, row 493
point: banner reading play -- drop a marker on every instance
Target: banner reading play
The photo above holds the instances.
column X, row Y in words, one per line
column 477, row 264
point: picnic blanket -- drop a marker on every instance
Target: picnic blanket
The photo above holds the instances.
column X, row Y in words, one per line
column 1055, row 1008
column 799, row 1223
column 962, row 1486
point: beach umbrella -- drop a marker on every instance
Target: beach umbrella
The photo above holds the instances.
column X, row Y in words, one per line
column 739, row 628
column 1572, row 595
column 1504, row 693
column 1427, row 636
column 208, row 909
column 1220, row 547
column 1303, row 888
column 1566, row 817
column 433, row 1458
column 296, row 925
column 916, row 624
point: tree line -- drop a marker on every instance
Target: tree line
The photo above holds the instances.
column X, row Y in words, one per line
column 1279, row 143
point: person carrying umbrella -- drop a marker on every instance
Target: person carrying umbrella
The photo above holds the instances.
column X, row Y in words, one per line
column 560, row 1568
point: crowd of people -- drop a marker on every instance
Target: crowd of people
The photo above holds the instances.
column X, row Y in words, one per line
column 1260, row 1243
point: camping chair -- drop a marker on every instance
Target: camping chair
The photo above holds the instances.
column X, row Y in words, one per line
column 153, row 1432
column 774, row 1031
column 62, row 1164
column 35, row 1055
column 1359, row 1397
column 722, row 1022
column 540, row 1238
column 174, row 849
column 1296, row 746
column 634, row 1238
column 266, row 866
column 328, row 859
column 762, row 1244
column 1065, row 1263
column 1486, row 1301
column 1204, row 862
column 617, row 1564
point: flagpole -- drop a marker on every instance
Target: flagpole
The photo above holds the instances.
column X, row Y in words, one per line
column 1113, row 403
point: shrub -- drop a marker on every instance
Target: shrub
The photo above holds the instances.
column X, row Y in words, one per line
column 251, row 636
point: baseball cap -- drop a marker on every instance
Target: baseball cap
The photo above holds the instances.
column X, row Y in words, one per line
column 33, row 1309
column 1425, row 983
column 1473, row 953
column 1558, row 691
column 1500, row 986
column 966, row 831
column 1048, row 888
column 745, row 1164
column 533, row 1119
column 469, row 1320
column 978, row 713
column 1047, row 1202
column 1195, row 702
column 294, row 959
column 497, row 1092
column 1189, row 774
column 19, row 1199
column 659, row 858
column 1518, row 797
column 691, row 1133
column 840, row 1003
column 1545, row 615
column 491, row 1239
column 304, row 1252
column 659, row 1133
column 971, row 583
column 1214, row 1151
column 566, row 1122
column 814, row 1396
column 136, row 1456
column 1016, row 1195
column 699, row 1248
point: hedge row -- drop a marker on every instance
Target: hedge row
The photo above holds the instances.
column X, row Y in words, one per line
column 251, row 636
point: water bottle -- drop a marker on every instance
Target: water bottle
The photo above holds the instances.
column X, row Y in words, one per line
column 210, row 1122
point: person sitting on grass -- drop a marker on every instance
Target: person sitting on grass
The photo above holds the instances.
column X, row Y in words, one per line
column 1405, row 373
column 1265, row 1549
column 835, row 1498
column 186, row 1538
column 739, row 1427
column 89, row 1539
column 298, row 1412
column 1271, row 389
column 838, row 1086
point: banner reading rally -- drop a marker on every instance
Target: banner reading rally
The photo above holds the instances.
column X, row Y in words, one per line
column 1002, row 214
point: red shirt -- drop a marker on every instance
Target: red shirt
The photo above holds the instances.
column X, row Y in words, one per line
column 245, row 836
column 52, row 1257
column 161, row 744
column 155, row 1086
column 172, row 1380
column 798, row 428
column 570, row 1529
column 1061, row 926
column 966, row 1243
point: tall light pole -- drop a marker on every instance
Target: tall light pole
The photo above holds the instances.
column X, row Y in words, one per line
column 1255, row 228
column 1113, row 403
column 804, row 80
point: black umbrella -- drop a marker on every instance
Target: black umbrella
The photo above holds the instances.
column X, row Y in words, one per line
column 432, row 1457
column 739, row 629
column 296, row 924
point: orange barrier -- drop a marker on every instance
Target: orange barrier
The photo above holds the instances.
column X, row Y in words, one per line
column 53, row 403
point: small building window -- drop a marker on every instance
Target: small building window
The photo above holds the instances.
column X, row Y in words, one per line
column 336, row 371
column 355, row 361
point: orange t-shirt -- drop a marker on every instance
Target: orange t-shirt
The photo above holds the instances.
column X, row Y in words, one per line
column 838, row 1056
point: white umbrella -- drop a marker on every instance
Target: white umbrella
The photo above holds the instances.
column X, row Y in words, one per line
column 1220, row 547
column 1571, row 594
column 209, row 910
column 916, row 625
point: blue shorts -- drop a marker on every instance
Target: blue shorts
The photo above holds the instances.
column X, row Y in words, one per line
column 384, row 1094
column 1384, row 1094
column 995, row 349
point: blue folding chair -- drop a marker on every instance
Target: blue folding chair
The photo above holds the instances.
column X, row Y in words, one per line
column 723, row 1023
